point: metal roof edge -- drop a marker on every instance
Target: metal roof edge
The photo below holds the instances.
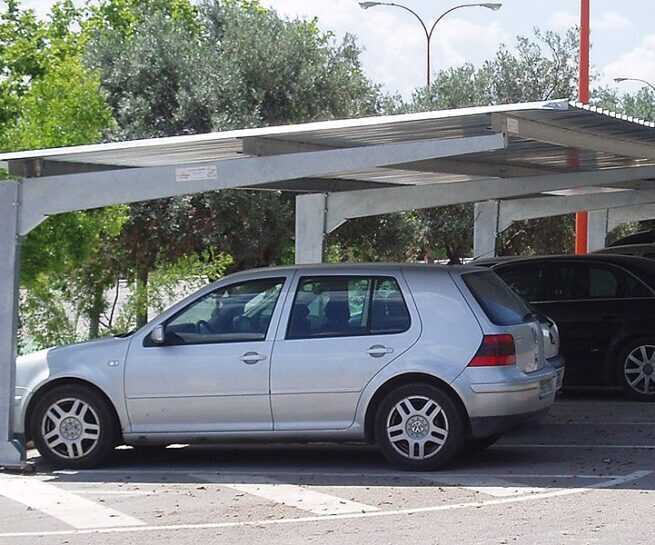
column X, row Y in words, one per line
column 272, row 131
column 608, row 113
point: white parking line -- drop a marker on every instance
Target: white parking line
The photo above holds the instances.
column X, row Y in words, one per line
column 289, row 494
column 274, row 522
column 69, row 508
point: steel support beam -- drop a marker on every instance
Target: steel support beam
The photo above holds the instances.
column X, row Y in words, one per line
column 310, row 228
column 57, row 194
column 485, row 228
column 11, row 453
column 577, row 139
column 629, row 214
column 546, row 206
column 597, row 229
column 370, row 202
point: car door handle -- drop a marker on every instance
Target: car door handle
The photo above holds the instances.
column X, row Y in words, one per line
column 250, row 358
column 378, row 350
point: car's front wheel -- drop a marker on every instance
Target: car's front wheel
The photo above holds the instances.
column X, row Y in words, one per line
column 636, row 366
column 73, row 426
column 419, row 427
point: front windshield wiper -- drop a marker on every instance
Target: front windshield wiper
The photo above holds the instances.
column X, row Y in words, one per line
column 126, row 334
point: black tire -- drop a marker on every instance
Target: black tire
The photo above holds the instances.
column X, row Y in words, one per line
column 450, row 417
column 627, row 368
column 101, row 414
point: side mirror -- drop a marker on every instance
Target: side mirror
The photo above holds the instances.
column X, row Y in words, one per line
column 158, row 335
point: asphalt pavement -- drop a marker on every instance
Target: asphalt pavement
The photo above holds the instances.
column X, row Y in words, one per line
column 585, row 475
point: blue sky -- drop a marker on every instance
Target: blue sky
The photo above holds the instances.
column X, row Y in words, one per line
column 623, row 36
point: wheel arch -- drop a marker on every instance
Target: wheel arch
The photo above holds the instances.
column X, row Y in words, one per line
column 401, row 380
column 66, row 381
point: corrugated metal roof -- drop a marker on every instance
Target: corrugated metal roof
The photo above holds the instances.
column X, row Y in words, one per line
column 522, row 156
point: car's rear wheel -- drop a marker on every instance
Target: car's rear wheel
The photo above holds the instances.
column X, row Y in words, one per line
column 419, row 427
column 73, row 426
column 636, row 368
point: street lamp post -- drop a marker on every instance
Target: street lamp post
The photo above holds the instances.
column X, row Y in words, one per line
column 648, row 83
column 428, row 33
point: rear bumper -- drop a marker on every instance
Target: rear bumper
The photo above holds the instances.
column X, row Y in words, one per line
column 500, row 398
column 485, row 426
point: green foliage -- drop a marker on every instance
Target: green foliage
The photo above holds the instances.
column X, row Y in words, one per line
column 123, row 17
column 392, row 237
column 45, row 318
column 538, row 68
column 62, row 108
column 245, row 67
column 29, row 47
column 170, row 282
column 640, row 104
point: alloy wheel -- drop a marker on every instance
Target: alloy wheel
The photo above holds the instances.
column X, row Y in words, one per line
column 639, row 369
column 417, row 427
column 71, row 428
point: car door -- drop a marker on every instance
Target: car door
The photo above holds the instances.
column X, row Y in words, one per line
column 212, row 373
column 342, row 329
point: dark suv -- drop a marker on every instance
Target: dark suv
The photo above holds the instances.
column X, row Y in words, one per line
column 604, row 306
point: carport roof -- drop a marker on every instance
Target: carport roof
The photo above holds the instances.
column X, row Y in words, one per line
column 543, row 138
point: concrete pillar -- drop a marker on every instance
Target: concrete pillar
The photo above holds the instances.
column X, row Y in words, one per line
column 597, row 229
column 485, row 228
column 311, row 211
column 11, row 452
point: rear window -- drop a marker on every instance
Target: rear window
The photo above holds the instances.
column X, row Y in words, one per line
column 501, row 305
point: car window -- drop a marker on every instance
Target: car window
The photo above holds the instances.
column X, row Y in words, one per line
column 389, row 312
column 338, row 306
column 501, row 305
column 240, row 312
column 603, row 283
column 612, row 282
column 526, row 280
column 575, row 281
column 564, row 282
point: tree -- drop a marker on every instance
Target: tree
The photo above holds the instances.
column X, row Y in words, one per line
column 53, row 100
column 538, row 68
column 237, row 65
column 29, row 47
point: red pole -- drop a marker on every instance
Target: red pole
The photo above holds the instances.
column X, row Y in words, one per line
column 581, row 218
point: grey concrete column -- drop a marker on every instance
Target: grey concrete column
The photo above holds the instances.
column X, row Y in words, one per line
column 311, row 211
column 485, row 228
column 597, row 229
column 11, row 453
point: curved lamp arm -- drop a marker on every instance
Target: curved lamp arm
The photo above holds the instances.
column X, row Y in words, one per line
column 648, row 83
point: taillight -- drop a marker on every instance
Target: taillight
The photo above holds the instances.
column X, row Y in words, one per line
column 495, row 350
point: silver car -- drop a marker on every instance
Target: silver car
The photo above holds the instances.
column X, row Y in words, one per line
column 425, row 361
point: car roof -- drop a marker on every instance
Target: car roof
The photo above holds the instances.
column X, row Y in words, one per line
column 626, row 248
column 617, row 259
column 327, row 268
column 640, row 237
